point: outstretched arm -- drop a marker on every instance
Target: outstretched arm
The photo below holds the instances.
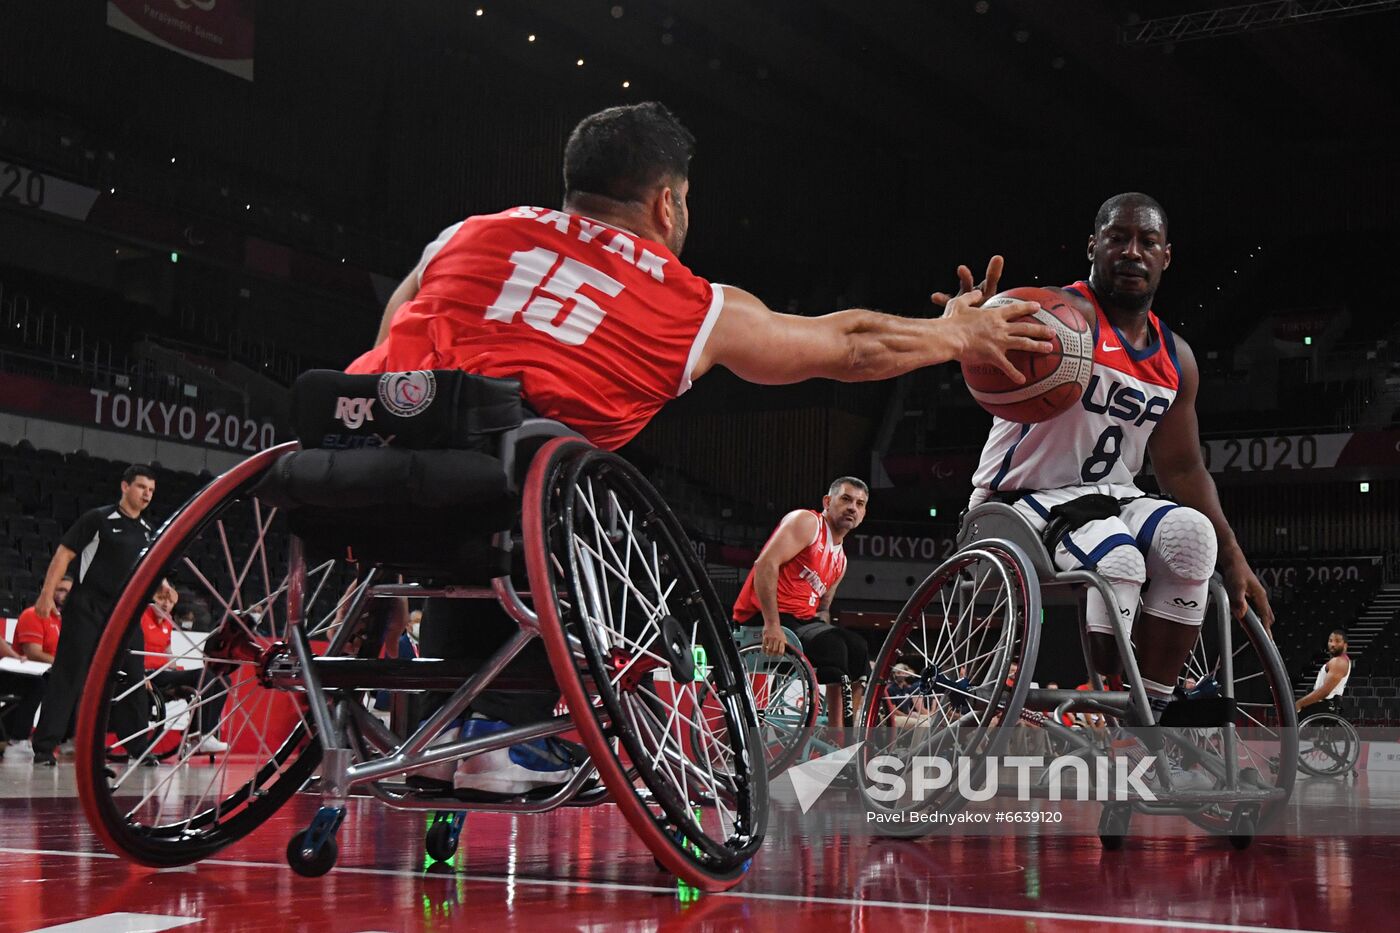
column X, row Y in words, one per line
column 764, row 347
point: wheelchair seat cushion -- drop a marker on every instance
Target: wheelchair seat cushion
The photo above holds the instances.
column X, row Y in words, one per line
column 424, row 511
column 384, row 476
column 427, row 409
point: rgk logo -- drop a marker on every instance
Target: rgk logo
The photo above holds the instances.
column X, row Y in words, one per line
column 353, row 412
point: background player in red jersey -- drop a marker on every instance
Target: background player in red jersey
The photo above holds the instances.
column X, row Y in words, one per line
column 793, row 583
column 590, row 308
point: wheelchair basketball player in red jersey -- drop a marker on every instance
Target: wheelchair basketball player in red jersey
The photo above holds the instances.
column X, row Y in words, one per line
column 590, row 308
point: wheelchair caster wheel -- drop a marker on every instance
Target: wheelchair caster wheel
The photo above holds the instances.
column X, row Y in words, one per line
column 443, row 836
column 1113, row 827
column 1242, row 829
column 309, row 862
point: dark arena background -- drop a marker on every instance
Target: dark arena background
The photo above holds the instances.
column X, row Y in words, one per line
column 201, row 200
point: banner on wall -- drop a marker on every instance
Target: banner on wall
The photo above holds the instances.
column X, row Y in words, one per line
column 1291, row 452
column 215, row 32
column 131, row 414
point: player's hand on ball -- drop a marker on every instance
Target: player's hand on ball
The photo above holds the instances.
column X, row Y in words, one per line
column 988, row 285
column 985, row 335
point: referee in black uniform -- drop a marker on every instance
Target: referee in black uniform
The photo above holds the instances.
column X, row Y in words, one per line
column 106, row 542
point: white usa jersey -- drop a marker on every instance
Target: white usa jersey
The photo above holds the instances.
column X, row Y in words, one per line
column 1103, row 439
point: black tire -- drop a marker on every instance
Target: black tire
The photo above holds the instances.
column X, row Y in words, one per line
column 1328, row 745
column 1243, row 826
column 441, row 841
column 615, row 628
column 987, row 594
column 157, row 820
column 1113, row 826
column 1264, row 733
column 785, row 693
column 317, row 864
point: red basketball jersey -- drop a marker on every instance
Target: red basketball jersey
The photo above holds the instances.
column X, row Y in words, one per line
column 802, row 581
column 601, row 327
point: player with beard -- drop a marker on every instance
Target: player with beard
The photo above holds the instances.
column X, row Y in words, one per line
column 1331, row 677
column 1076, row 471
column 793, row 583
column 591, row 308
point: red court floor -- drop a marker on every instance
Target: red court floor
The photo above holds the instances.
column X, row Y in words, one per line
column 582, row 870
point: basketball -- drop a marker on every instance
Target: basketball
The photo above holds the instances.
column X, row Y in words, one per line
column 1055, row 380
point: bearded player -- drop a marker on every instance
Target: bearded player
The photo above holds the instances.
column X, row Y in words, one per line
column 1077, row 470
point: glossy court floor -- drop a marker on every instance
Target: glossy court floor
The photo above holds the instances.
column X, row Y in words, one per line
column 583, row 870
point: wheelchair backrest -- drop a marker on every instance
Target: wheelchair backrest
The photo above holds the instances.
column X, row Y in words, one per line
column 440, row 409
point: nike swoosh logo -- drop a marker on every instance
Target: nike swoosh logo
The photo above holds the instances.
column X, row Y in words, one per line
column 1108, row 349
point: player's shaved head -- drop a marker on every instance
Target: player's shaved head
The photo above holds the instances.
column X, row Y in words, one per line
column 1129, row 200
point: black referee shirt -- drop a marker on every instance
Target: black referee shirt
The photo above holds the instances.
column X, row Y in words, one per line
column 108, row 544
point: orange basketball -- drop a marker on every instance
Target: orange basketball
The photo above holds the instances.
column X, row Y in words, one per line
column 1055, row 380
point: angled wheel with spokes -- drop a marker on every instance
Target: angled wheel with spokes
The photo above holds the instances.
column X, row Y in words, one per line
column 1328, row 745
column 1263, row 738
column 785, row 695
column 960, row 632
column 635, row 634
column 230, row 550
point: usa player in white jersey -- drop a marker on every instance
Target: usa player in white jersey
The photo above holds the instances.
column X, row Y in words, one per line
column 1140, row 400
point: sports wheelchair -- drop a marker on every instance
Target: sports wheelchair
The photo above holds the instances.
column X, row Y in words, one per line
column 790, row 703
column 1328, row 745
column 980, row 612
column 298, row 547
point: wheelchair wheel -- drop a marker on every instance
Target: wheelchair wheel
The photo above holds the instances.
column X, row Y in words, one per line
column 960, row 632
column 230, row 550
column 1328, row 745
column 634, row 632
column 785, row 694
column 1263, row 734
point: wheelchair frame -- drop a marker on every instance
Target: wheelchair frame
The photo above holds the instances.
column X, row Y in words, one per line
column 354, row 749
column 1342, row 765
column 1238, row 807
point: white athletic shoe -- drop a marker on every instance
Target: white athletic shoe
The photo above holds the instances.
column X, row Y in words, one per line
column 19, row 751
column 518, row 769
column 210, row 745
column 1182, row 779
column 66, row 748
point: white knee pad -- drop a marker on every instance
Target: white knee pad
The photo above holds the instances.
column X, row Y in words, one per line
column 1179, row 563
column 1125, row 571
